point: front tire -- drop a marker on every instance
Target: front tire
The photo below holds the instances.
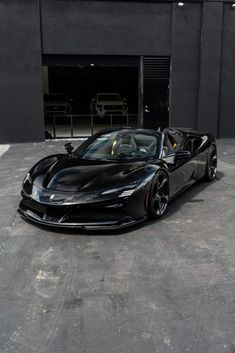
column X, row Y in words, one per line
column 211, row 166
column 158, row 195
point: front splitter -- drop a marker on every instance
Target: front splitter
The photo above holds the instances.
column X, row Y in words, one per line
column 108, row 225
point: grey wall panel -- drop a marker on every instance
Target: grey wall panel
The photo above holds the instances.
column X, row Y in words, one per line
column 209, row 89
column 227, row 98
column 21, row 117
column 108, row 28
column 186, row 32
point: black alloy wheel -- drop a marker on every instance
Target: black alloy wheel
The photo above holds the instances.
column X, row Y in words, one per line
column 211, row 167
column 158, row 195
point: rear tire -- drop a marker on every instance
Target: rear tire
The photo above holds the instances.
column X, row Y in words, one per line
column 158, row 195
column 211, row 166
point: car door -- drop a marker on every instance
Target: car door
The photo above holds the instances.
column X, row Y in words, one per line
column 180, row 169
column 199, row 158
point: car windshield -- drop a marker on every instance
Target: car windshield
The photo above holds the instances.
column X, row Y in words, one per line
column 109, row 97
column 120, row 146
column 54, row 97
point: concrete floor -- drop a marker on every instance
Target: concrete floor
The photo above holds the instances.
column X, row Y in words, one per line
column 167, row 286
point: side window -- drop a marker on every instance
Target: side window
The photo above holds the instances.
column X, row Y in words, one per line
column 193, row 143
column 167, row 146
column 176, row 141
column 172, row 143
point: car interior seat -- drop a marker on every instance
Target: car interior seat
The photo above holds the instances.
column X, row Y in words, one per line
column 124, row 144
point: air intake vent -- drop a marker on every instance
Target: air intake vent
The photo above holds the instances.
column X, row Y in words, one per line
column 156, row 67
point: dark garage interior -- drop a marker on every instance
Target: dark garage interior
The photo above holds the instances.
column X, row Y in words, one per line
column 81, row 84
column 81, row 79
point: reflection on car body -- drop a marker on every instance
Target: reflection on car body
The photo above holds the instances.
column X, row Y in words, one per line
column 116, row 178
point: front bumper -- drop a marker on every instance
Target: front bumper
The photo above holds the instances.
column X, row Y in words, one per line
column 90, row 217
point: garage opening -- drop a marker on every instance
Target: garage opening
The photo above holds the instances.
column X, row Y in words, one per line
column 85, row 94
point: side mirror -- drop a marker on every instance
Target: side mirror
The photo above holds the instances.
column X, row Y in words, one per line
column 93, row 100
column 183, row 154
column 69, row 148
column 124, row 100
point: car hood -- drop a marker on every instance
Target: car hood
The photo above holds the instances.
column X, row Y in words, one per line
column 65, row 180
column 73, row 176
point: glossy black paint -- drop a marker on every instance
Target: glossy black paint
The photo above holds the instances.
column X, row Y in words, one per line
column 65, row 191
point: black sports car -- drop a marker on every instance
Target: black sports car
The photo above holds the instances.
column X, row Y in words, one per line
column 116, row 178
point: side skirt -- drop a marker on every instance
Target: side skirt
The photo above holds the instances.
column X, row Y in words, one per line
column 183, row 189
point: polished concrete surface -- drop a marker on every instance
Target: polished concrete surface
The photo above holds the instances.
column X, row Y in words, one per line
column 166, row 286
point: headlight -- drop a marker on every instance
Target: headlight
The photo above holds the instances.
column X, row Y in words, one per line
column 123, row 190
column 126, row 193
column 128, row 190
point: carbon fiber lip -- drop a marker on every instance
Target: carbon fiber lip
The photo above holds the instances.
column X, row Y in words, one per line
column 109, row 225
